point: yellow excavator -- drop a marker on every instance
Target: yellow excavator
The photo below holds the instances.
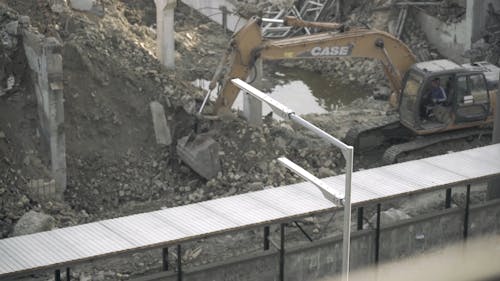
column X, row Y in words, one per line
column 468, row 90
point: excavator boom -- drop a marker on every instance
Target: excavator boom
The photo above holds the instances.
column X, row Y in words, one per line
column 247, row 45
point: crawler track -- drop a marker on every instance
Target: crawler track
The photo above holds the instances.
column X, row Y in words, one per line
column 391, row 154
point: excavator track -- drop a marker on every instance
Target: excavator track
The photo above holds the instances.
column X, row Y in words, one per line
column 372, row 133
column 391, row 154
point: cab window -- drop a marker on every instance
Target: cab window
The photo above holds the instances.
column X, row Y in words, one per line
column 471, row 90
column 478, row 89
column 472, row 98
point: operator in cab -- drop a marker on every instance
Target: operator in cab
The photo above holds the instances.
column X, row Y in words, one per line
column 437, row 94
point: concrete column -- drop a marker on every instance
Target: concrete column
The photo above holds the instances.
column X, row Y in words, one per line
column 165, row 32
column 45, row 61
column 469, row 26
column 57, row 142
column 252, row 107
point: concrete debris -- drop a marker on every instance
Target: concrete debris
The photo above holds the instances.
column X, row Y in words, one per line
column 162, row 131
column 33, row 222
column 7, row 41
column 82, row 5
column 201, row 154
column 390, row 216
column 11, row 81
column 114, row 163
column 25, row 21
column 12, row 28
column 325, row 172
column 58, row 6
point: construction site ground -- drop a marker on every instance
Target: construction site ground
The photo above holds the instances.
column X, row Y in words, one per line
column 115, row 167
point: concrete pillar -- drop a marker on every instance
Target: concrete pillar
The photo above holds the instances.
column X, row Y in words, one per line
column 165, row 32
column 469, row 19
column 45, row 61
column 57, row 142
column 252, row 107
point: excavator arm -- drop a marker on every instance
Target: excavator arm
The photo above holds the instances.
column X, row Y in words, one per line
column 247, row 45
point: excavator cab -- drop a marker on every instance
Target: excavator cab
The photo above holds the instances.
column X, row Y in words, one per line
column 441, row 95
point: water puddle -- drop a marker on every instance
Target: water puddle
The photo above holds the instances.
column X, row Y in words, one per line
column 303, row 91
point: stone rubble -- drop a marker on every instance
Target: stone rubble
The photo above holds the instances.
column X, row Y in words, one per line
column 33, row 222
column 115, row 166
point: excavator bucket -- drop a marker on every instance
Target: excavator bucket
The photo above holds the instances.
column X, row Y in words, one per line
column 201, row 153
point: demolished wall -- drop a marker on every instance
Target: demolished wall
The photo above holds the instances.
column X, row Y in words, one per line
column 45, row 62
column 481, row 17
column 452, row 39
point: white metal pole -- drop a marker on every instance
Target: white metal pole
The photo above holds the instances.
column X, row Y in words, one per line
column 346, row 246
column 347, row 152
column 328, row 192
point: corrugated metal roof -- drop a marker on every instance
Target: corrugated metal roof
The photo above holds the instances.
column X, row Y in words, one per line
column 57, row 248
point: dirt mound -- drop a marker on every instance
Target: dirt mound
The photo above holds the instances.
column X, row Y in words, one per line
column 111, row 74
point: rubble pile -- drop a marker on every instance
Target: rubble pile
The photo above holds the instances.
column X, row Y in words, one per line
column 13, row 201
column 250, row 8
column 448, row 11
column 11, row 66
column 111, row 75
column 114, row 164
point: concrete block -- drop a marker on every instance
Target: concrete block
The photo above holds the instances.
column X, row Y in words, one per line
column 25, row 21
column 162, row 131
column 12, row 28
column 82, row 5
column 33, row 222
column 201, row 154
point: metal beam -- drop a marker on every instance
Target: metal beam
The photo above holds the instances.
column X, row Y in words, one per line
column 327, row 191
column 303, row 231
column 179, row 263
column 360, row 218
column 447, row 200
column 377, row 235
column 164, row 255
column 282, row 252
column 266, row 238
column 466, row 215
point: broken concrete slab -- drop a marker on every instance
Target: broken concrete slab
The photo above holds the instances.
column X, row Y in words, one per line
column 162, row 131
column 201, row 154
column 82, row 5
